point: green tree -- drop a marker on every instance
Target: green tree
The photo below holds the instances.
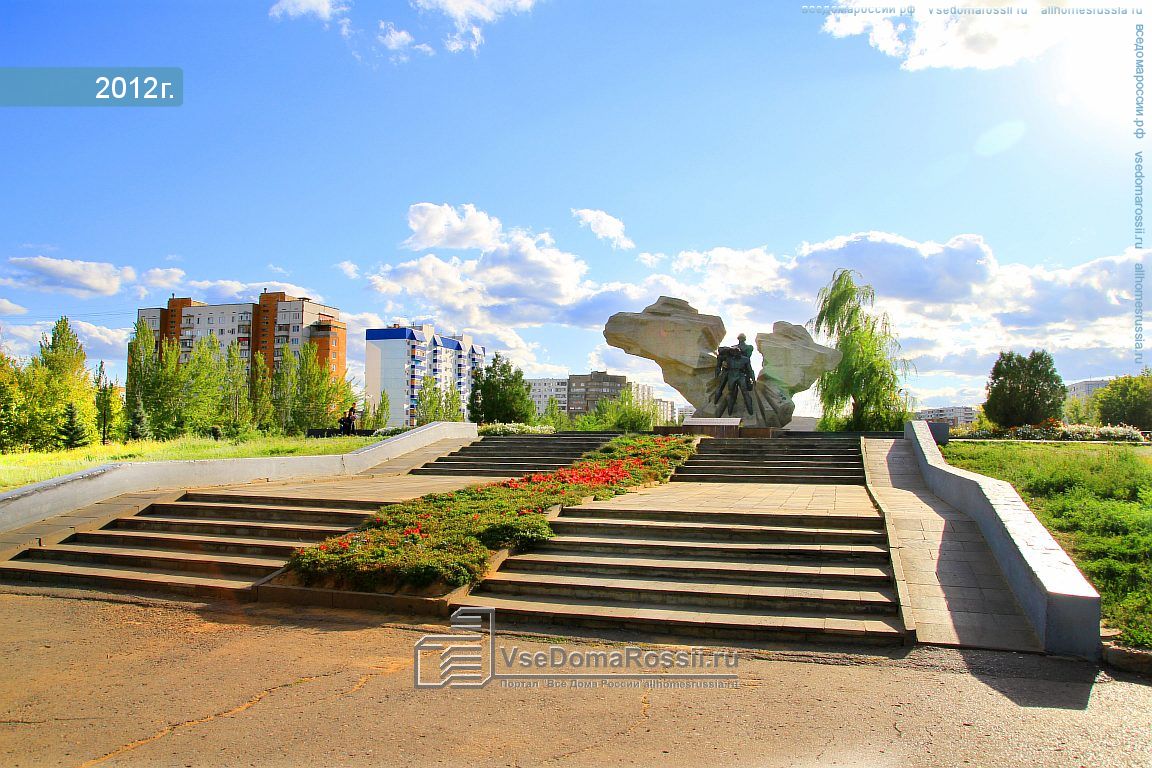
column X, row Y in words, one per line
column 429, row 402
column 109, row 406
column 378, row 415
column 452, row 405
column 1127, row 400
column 140, row 383
column 500, row 394
column 73, row 432
column 553, row 416
column 235, row 414
column 284, row 390
column 11, row 405
column 56, row 377
column 260, row 392
column 1024, row 390
column 867, row 382
column 1081, row 410
column 320, row 398
column 204, row 385
column 164, row 401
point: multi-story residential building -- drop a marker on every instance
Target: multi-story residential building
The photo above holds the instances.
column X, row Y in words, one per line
column 397, row 359
column 641, row 393
column 543, row 390
column 587, row 389
column 265, row 327
column 1083, row 389
column 684, row 412
column 955, row 415
column 665, row 411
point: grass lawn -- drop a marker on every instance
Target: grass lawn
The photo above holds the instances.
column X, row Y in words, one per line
column 18, row 469
column 1097, row 501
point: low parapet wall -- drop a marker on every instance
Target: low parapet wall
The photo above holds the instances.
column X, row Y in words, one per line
column 1063, row 607
column 31, row 503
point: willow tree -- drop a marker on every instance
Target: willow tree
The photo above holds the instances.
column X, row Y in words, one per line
column 864, row 391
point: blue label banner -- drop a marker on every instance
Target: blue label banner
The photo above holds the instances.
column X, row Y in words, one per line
column 91, row 86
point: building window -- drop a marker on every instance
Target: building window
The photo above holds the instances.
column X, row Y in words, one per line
column 295, row 329
column 209, row 321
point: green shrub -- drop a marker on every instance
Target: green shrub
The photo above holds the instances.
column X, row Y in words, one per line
column 498, row 429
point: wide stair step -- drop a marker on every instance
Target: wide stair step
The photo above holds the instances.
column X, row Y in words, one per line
column 694, row 531
column 665, row 620
column 292, row 531
column 346, row 518
column 155, row 558
column 786, row 517
column 688, row 592
column 781, row 571
column 515, row 455
column 262, row 546
column 126, row 577
column 760, row 552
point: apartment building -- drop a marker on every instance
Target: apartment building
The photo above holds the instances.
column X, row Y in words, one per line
column 665, row 411
column 585, row 390
column 397, row 359
column 543, row 390
column 266, row 327
column 1084, row 389
column 955, row 415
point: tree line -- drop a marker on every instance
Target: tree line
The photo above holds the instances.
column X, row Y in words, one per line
column 53, row 401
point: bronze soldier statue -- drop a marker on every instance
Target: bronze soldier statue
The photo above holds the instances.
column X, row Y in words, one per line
column 734, row 374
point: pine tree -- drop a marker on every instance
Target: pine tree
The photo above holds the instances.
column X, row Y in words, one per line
column 429, row 402
column 382, row 412
column 11, row 405
column 499, row 394
column 109, row 407
column 73, row 433
column 140, row 383
column 235, row 414
column 56, row 377
column 260, row 390
column 137, row 425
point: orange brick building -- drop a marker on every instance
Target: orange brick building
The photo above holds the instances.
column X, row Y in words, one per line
column 265, row 327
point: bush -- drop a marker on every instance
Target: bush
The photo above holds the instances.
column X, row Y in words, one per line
column 500, row 430
column 1054, row 430
column 445, row 539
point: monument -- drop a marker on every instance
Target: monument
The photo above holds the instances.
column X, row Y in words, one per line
column 718, row 381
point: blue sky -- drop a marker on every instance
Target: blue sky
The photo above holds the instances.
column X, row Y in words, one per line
column 521, row 169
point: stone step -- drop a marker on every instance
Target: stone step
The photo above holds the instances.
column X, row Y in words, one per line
column 687, row 593
column 760, row 468
column 296, row 532
column 667, row 620
column 120, row 577
column 772, row 478
column 734, row 571
column 778, row 460
column 507, row 461
column 346, row 518
column 761, row 441
column 864, row 554
column 143, row 558
column 783, row 517
column 284, row 501
column 697, row 531
column 434, row 469
column 192, row 542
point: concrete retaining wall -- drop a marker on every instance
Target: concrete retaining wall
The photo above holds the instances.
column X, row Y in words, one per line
column 1063, row 607
column 31, row 503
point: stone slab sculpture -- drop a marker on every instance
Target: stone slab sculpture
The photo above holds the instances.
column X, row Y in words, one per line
column 685, row 344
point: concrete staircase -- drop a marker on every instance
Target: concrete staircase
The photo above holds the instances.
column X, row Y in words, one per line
column 756, row 576
column 807, row 459
column 516, row 455
column 205, row 545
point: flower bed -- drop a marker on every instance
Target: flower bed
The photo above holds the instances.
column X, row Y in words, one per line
column 1054, row 430
column 444, row 540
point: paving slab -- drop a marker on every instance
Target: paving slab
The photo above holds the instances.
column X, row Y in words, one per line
column 958, row 596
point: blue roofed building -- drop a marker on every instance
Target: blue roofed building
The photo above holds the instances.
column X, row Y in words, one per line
column 397, row 359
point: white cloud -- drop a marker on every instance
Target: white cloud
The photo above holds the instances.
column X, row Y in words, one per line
column 392, row 38
column 651, row 260
column 83, row 279
column 324, row 10
column 235, row 290
column 277, row 269
column 604, row 226
column 442, row 226
column 162, row 278
column 11, row 308
column 350, row 270
column 425, row 49
column 100, row 342
column 985, row 34
column 469, row 16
